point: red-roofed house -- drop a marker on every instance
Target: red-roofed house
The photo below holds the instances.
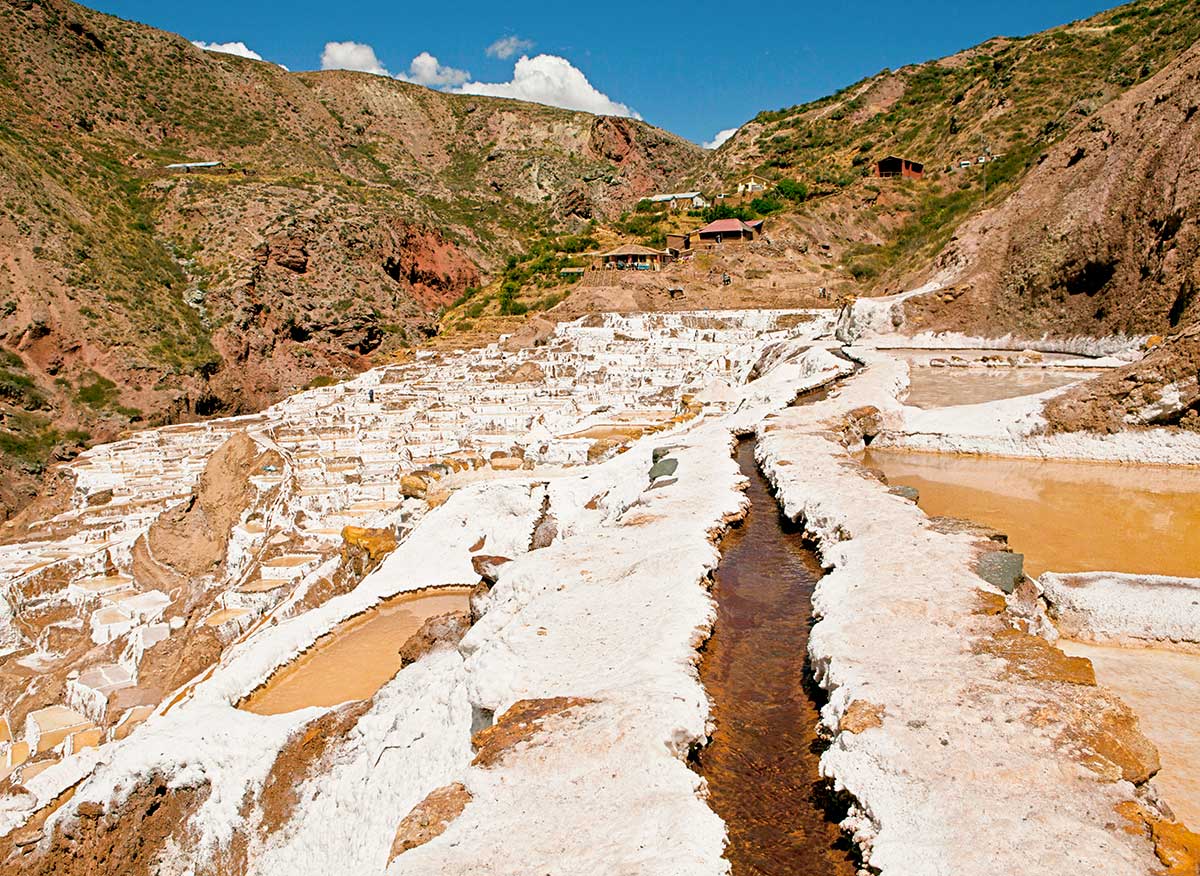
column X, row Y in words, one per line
column 723, row 230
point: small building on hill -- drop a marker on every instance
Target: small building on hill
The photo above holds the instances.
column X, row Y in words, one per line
column 725, row 230
column 634, row 257
column 189, row 166
column 679, row 243
column 894, row 166
column 752, row 185
column 681, row 201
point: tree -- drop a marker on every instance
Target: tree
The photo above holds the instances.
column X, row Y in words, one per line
column 724, row 211
column 792, row 190
column 766, row 206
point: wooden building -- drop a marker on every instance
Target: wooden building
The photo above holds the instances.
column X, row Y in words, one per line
column 634, row 257
column 679, row 243
column 893, row 166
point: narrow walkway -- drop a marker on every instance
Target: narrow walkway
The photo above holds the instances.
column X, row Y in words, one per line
column 761, row 764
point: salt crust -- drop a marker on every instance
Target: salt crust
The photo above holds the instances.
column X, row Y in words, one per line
column 1116, row 607
column 957, row 779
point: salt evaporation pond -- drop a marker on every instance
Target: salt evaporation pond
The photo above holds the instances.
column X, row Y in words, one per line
column 762, row 763
column 925, row 355
column 357, row 658
column 1163, row 688
column 1064, row 516
column 945, row 387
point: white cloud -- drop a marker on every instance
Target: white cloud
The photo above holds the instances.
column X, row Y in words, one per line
column 426, row 70
column 506, row 47
column 555, row 81
column 238, row 48
column 719, row 138
column 423, row 70
column 352, row 56
column 546, row 79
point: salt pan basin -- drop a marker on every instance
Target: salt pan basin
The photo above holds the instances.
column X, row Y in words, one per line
column 945, row 387
column 1064, row 516
column 357, row 658
column 1163, row 688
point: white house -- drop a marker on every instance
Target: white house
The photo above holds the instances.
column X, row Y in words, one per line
column 752, row 185
column 681, row 200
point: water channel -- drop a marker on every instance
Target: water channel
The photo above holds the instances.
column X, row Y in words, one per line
column 762, row 762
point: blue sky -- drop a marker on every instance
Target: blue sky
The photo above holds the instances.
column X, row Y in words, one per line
column 707, row 67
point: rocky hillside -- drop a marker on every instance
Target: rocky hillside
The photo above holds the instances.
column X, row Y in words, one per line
column 348, row 208
column 1102, row 236
column 1009, row 99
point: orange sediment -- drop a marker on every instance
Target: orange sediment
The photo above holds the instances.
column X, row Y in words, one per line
column 1064, row 516
column 1163, row 689
column 357, row 658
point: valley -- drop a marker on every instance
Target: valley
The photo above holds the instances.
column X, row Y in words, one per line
column 415, row 488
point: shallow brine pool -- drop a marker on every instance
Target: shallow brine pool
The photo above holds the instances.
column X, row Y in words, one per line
column 946, row 387
column 1064, row 516
column 355, row 659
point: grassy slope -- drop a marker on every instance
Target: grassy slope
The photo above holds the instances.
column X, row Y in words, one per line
column 1017, row 95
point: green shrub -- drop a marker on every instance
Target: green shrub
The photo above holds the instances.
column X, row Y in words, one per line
column 766, row 206
column 97, row 393
column 792, row 190
column 725, row 211
column 468, row 294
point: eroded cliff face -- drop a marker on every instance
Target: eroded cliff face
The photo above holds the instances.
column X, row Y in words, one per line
column 1161, row 390
column 1103, row 236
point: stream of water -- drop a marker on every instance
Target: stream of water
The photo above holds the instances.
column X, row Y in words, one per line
column 762, row 762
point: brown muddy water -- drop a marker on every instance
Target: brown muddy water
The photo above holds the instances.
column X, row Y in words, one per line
column 1064, row 516
column 945, row 387
column 762, row 762
column 1163, row 688
column 355, row 659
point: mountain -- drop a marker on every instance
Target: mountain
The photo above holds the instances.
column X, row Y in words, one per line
column 1102, row 236
column 1008, row 99
column 347, row 209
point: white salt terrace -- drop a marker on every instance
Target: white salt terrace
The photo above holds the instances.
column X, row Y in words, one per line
column 88, row 694
column 643, row 363
column 94, row 588
column 46, row 728
column 954, row 778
